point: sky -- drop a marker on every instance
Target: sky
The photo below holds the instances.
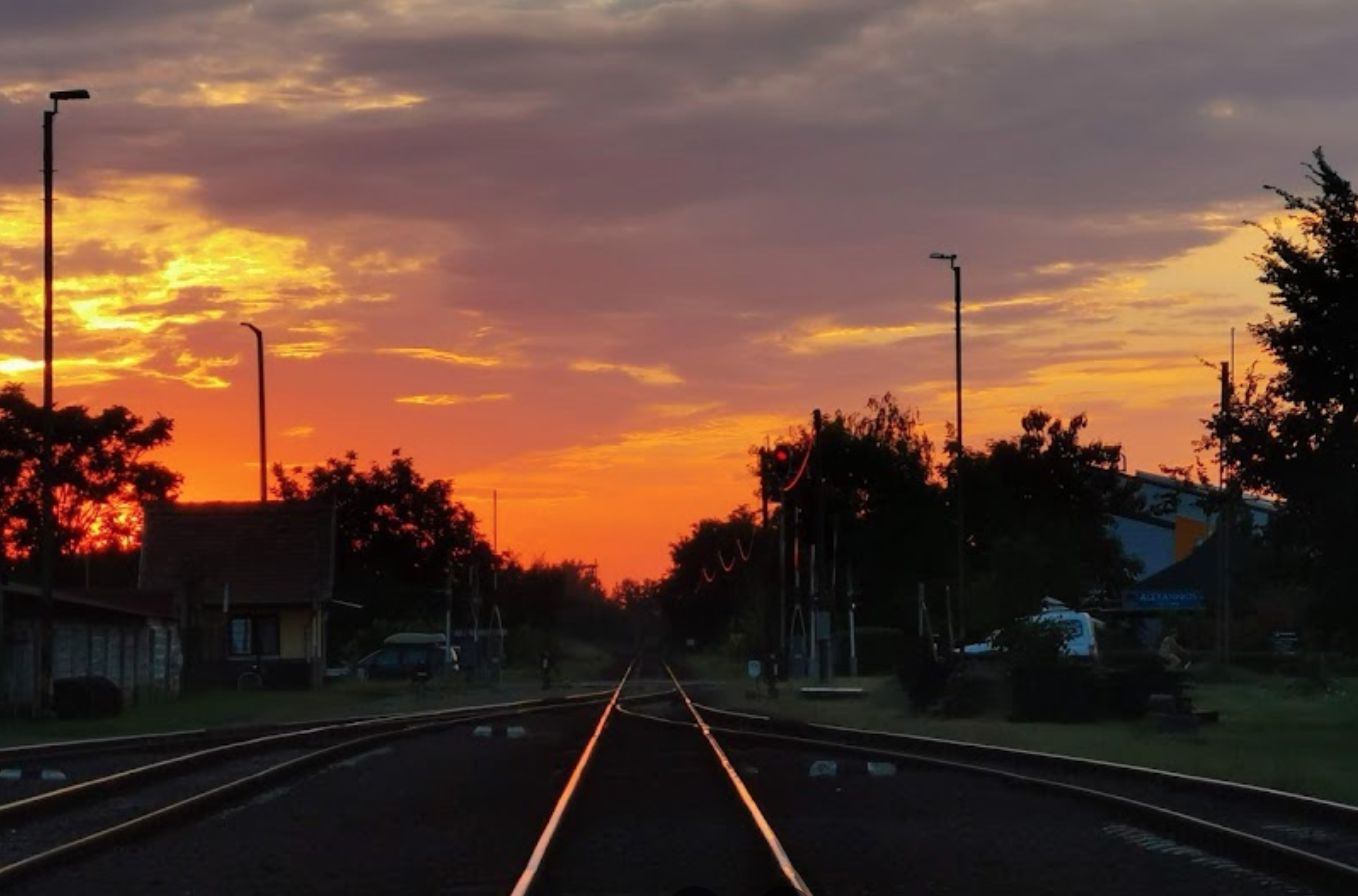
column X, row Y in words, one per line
column 586, row 253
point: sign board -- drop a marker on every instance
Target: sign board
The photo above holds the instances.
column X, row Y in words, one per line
column 1285, row 643
column 1163, row 600
column 753, row 669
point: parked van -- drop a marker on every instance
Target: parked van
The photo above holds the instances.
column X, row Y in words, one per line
column 403, row 654
column 1080, row 628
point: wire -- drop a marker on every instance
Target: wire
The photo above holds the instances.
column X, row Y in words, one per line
column 725, row 567
column 744, row 552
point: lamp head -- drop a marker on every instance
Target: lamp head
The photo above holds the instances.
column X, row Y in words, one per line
column 79, row 94
column 943, row 256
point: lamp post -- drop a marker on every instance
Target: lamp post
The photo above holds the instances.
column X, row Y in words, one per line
column 46, row 521
column 951, row 259
column 263, row 457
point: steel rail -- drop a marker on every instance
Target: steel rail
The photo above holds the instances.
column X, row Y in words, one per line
column 1298, row 802
column 198, row 803
column 166, row 740
column 1250, row 848
column 530, row 871
column 83, row 790
column 785, row 865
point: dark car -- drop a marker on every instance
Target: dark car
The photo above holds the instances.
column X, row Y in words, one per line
column 402, row 655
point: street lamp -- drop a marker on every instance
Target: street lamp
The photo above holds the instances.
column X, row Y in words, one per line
column 951, row 259
column 263, row 466
column 46, row 523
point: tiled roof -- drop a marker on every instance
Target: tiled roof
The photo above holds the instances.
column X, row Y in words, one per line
column 275, row 553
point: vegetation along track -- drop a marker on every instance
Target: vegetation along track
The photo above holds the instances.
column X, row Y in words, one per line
column 1303, row 838
column 58, row 825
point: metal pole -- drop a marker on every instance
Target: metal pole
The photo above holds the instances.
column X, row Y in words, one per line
column 961, row 501
column 782, row 583
column 47, row 535
column 263, row 456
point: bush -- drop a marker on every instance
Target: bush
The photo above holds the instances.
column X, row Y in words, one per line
column 1061, row 692
column 972, row 689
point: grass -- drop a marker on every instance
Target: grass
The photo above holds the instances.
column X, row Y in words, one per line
column 1274, row 731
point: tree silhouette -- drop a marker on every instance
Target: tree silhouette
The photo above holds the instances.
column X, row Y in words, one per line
column 100, row 475
column 1040, row 508
column 1295, row 435
column 401, row 539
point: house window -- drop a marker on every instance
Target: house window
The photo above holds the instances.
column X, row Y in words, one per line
column 252, row 636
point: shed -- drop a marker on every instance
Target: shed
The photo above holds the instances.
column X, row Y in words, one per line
column 252, row 583
column 129, row 637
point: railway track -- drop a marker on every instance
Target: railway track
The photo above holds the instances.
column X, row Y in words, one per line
column 1296, row 838
column 647, row 811
column 52, row 828
column 674, row 794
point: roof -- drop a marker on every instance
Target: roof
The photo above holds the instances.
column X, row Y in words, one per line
column 131, row 601
column 278, row 553
column 1259, row 503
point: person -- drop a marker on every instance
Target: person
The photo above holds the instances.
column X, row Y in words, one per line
column 1172, row 653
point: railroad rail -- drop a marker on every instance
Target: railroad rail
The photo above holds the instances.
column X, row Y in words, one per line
column 188, row 738
column 342, row 738
column 530, row 879
column 1250, row 824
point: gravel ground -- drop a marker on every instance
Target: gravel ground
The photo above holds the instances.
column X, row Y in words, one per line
column 446, row 813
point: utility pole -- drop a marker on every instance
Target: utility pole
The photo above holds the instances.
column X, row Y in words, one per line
column 263, row 462
column 47, row 510
column 959, row 493
column 1226, row 515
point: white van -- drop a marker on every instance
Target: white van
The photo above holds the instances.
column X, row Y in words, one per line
column 1080, row 628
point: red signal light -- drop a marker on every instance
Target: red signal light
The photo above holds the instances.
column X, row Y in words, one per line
column 781, row 455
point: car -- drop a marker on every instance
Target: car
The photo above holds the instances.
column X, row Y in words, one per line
column 402, row 655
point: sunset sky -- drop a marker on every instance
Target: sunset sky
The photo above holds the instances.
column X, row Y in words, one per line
column 588, row 252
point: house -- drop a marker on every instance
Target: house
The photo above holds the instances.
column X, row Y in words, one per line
column 251, row 582
column 129, row 637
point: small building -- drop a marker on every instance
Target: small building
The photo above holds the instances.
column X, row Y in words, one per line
column 252, row 584
column 129, row 637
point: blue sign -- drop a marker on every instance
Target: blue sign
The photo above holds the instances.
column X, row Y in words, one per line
column 1163, row 600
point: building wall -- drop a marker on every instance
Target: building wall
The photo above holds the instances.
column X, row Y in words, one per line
column 1188, row 534
column 1152, row 544
column 144, row 659
column 294, row 633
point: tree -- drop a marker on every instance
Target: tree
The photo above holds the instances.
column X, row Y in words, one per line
column 400, row 537
column 1295, row 435
column 100, row 475
column 710, row 579
column 1040, row 507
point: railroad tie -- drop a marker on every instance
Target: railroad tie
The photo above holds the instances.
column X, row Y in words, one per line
column 509, row 732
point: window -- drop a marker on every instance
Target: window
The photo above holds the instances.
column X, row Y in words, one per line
column 252, row 636
column 238, row 636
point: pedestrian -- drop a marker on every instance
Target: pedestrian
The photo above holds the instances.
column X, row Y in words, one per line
column 1172, row 653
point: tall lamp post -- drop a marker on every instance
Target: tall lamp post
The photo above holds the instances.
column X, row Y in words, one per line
column 951, row 259
column 46, row 522
column 263, row 465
